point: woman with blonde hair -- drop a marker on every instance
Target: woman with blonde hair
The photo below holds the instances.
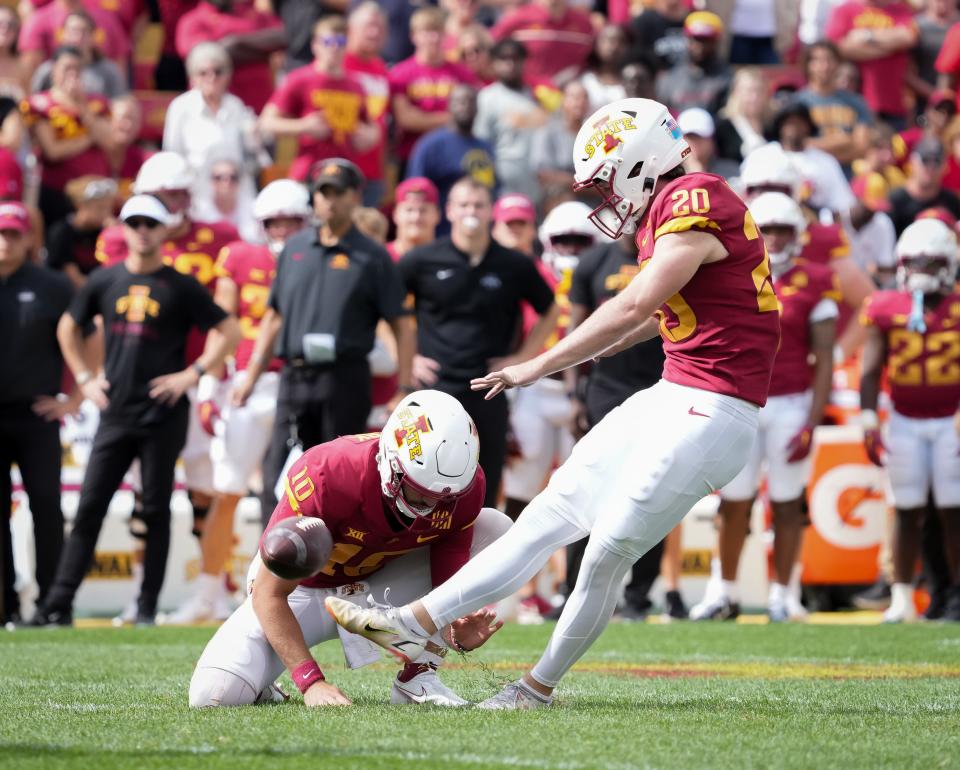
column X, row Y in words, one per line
column 740, row 128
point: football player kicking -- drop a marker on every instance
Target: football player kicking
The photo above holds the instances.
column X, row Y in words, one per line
column 241, row 429
column 799, row 392
column 913, row 332
column 705, row 284
column 404, row 510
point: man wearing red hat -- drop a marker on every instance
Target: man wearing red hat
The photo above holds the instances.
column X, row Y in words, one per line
column 873, row 237
column 416, row 215
column 32, row 299
column 703, row 80
column 515, row 223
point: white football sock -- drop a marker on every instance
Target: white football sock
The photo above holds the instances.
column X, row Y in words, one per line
column 586, row 613
column 729, row 590
column 778, row 594
column 209, row 587
column 495, row 573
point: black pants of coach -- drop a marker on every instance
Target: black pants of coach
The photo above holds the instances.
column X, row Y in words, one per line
column 603, row 397
column 315, row 404
column 491, row 418
column 115, row 447
column 34, row 445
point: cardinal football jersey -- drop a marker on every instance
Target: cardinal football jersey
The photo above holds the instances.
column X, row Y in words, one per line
column 251, row 267
column 923, row 369
column 720, row 331
column 800, row 290
column 339, row 482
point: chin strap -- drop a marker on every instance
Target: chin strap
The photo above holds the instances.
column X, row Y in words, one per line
column 915, row 322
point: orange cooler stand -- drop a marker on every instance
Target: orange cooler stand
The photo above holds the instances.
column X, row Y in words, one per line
column 848, row 510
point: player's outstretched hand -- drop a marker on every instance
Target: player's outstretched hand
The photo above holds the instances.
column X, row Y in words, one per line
column 325, row 694
column 873, row 443
column 473, row 630
column 514, row 376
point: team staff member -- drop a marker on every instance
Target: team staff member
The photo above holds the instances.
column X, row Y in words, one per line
column 32, row 299
column 332, row 287
column 468, row 291
column 602, row 273
column 148, row 309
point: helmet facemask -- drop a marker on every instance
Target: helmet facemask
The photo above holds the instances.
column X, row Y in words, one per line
column 616, row 215
column 926, row 274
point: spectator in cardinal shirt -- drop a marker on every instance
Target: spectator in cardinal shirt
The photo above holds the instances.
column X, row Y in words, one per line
column 71, row 129
column 41, row 33
column 420, row 86
column 879, row 35
column 558, row 38
column 366, row 34
column 100, row 75
column 321, row 105
column 248, row 34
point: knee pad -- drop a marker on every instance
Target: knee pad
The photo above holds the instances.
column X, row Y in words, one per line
column 212, row 687
column 491, row 524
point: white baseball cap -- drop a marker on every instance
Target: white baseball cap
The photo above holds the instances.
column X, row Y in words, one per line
column 145, row 206
column 696, row 121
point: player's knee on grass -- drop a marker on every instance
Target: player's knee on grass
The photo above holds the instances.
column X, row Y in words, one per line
column 491, row 525
column 212, row 687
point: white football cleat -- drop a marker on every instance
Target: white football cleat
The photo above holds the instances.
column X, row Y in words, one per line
column 419, row 683
column 128, row 615
column 901, row 609
column 196, row 609
column 797, row 612
column 516, row 696
column 272, row 694
column 715, row 608
column 379, row 624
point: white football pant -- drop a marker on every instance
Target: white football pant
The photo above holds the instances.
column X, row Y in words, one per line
column 197, row 466
column 540, row 418
column 239, row 663
column 779, row 421
column 922, row 453
column 627, row 483
column 243, row 434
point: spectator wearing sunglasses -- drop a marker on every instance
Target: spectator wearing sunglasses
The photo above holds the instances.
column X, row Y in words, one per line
column 148, row 311
column 321, row 105
column 249, row 36
column 208, row 122
column 226, row 199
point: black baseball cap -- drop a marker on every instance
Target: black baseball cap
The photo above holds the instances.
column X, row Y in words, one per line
column 336, row 172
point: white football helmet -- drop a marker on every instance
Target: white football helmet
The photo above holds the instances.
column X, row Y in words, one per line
column 164, row 171
column 927, row 257
column 621, row 151
column 571, row 219
column 773, row 209
column 430, row 446
column 281, row 198
column 769, row 167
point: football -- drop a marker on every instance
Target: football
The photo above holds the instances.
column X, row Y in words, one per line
column 296, row 548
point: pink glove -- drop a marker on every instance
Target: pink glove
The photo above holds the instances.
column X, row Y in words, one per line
column 799, row 446
column 873, row 443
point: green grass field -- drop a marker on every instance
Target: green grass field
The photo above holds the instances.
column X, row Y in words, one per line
column 657, row 696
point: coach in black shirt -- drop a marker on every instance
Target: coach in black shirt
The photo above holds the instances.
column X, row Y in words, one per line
column 32, row 299
column 147, row 309
column 468, row 291
column 332, row 287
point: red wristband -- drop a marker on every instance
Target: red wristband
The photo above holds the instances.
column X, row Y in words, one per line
column 306, row 674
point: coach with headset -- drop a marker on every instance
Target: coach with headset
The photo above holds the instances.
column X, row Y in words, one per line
column 332, row 287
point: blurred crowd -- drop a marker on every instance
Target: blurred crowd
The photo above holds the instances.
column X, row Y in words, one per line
column 451, row 123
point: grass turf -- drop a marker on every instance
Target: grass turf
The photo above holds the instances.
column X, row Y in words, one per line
column 674, row 696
